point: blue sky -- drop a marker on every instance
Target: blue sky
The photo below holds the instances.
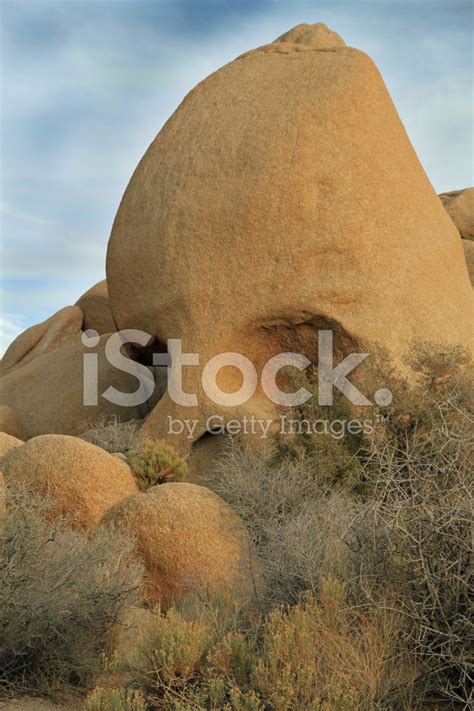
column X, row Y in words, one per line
column 87, row 84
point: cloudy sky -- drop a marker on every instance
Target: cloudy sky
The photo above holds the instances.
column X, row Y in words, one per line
column 88, row 83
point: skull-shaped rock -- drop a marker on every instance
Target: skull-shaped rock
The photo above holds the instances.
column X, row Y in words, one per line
column 282, row 197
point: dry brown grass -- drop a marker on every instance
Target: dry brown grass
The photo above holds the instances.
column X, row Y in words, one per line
column 296, row 524
column 113, row 435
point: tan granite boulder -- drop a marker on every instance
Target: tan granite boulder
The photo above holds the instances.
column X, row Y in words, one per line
column 56, row 331
column 48, row 392
column 10, row 422
column 189, row 540
column 283, row 197
column 460, row 207
column 83, row 481
column 468, row 246
column 95, row 307
column 7, row 443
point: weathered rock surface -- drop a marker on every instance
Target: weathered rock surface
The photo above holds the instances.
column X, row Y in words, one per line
column 204, row 457
column 188, row 540
column 7, row 443
column 82, row 480
column 10, row 422
column 96, row 309
column 460, row 207
column 56, row 331
column 283, row 196
column 48, row 392
column 317, row 36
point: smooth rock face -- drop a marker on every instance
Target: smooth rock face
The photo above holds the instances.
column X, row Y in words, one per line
column 56, row 331
column 82, row 480
column 10, row 422
column 283, row 196
column 95, row 307
column 48, row 392
column 468, row 247
column 460, row 207
column 189, row 540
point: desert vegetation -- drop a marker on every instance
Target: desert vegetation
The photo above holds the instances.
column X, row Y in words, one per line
column 363, row 546
column 154, row 462
column 112, row 434
column 60, row 592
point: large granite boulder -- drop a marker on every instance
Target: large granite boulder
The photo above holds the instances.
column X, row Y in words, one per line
column 282, row 197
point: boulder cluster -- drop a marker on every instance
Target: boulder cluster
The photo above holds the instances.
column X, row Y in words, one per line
column 187, row 538
column 282, row 197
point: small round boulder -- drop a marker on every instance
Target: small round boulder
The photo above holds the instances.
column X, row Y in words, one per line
column 82, row 480
column 189, row 540
column 460, row 207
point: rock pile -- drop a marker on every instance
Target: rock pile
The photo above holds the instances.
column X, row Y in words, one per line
column 282, row 197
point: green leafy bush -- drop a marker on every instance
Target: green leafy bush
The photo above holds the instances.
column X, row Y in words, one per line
column 155, row 461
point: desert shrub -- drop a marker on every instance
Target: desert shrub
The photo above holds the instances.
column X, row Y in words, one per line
column 60, row 592
column 116, row 699
column 326, row 655
column 175, row 649
column 155, row 461
column 420, row 514
column 402, row 533
column 113, row 435
column 318, row 432
column 315, row 655
column 199, row 655
column 295, row 523
column 440, row 366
